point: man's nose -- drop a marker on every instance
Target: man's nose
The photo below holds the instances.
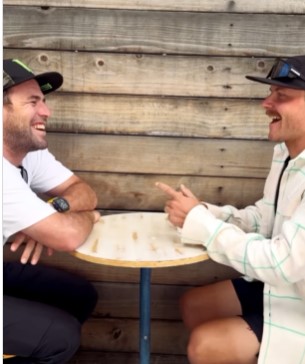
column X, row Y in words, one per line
column 267, row 103
column 44, row 110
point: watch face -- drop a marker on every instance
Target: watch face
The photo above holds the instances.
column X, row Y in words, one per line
column 60, row 204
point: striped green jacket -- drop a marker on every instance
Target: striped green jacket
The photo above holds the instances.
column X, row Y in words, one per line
column 267, row 247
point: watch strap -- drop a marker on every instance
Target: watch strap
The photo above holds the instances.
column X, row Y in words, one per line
column 60, row 204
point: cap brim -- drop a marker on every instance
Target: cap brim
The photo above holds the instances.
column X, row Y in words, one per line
column 49, row 81
column 289, row 83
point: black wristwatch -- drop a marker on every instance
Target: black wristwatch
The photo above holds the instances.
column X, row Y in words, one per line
column 60, row 204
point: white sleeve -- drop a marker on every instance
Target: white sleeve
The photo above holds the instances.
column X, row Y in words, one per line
column 274, row 261
column 247, row 219
column 44, row 171
column 21, row 206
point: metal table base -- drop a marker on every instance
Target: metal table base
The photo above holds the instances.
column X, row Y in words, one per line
column 145, row 274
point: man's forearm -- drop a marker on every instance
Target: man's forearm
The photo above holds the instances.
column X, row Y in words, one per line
column 63, row 231
column 81, row 197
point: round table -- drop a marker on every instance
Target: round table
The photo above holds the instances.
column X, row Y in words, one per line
column 142, row 240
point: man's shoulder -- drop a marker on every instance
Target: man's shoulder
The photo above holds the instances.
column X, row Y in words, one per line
column 7, row 165
column 11, row 175
column 37, row 155
column 38, row 159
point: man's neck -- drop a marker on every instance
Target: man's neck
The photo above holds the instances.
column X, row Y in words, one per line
column 295, row 148
column 13, row 157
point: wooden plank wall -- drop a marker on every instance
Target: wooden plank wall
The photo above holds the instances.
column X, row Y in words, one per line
column 154, row 90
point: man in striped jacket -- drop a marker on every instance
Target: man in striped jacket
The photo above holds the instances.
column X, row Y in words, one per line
column 259, row 318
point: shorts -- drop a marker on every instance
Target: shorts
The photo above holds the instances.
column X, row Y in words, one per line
column 250, row 295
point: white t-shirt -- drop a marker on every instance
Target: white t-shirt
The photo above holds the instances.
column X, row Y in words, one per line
column 21, row 205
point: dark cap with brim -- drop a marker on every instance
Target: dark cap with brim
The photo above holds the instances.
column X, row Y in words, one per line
column 16, row 72
column 298, row 83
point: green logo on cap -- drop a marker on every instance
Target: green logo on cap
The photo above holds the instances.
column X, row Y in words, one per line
column 46, row 87
column 22, row 65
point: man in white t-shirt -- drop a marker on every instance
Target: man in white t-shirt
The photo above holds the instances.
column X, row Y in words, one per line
column 43, row 308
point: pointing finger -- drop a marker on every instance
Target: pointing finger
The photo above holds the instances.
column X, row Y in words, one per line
column 167, row 189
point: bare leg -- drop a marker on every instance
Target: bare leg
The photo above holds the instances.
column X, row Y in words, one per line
column 223, row 341
column 218, row 335
column 209, row 302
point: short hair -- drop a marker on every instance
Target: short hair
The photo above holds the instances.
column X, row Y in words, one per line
column 6, row 97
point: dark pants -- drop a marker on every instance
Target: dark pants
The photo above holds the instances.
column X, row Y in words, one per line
column 43, row 309
column 251, row 297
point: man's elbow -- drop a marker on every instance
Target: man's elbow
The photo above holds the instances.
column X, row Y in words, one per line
column 95, row 201
column 92, row 197
column 71, row 240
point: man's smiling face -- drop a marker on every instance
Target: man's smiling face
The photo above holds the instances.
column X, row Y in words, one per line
column 24, row 119
column 286, row 108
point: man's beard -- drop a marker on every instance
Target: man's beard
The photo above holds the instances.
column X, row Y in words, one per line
column 20, row 139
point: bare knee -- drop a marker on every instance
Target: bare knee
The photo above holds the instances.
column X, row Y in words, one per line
column 195, row 350
column 226, row 341
column 201, row 348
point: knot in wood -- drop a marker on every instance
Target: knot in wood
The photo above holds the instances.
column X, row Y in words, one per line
column 116, row 333
column 43, row 58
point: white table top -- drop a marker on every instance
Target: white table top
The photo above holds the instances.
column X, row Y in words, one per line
column 140, row 239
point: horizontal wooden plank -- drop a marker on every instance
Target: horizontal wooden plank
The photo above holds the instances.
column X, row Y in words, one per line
column 123, row 336
column 192, row 274
column 162, row 155
column 242, row 6
column 121, row 300
column 98, row 357
column 188, row 76
column 167, row 116
column 151, row 32
column 138, row 192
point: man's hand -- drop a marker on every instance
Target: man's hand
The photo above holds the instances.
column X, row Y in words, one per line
column 179, row 204
column 32, row 250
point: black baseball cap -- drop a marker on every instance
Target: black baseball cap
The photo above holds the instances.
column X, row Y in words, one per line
column 286, row 72
column 16, row 72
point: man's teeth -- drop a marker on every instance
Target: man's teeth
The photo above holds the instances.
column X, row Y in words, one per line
column 40, row 127
column 276, row 118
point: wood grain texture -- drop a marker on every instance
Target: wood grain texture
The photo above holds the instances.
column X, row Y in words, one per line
column 122, row 300
column 136, row 192
column 163, row 155
column 161, row 32
column 189, row 275
column 134, row 74
column 122, row 335
column 156, row 116
column 228, row 6
column 139, row 239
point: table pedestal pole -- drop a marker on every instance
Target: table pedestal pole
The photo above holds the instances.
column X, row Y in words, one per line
column 145, row 274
